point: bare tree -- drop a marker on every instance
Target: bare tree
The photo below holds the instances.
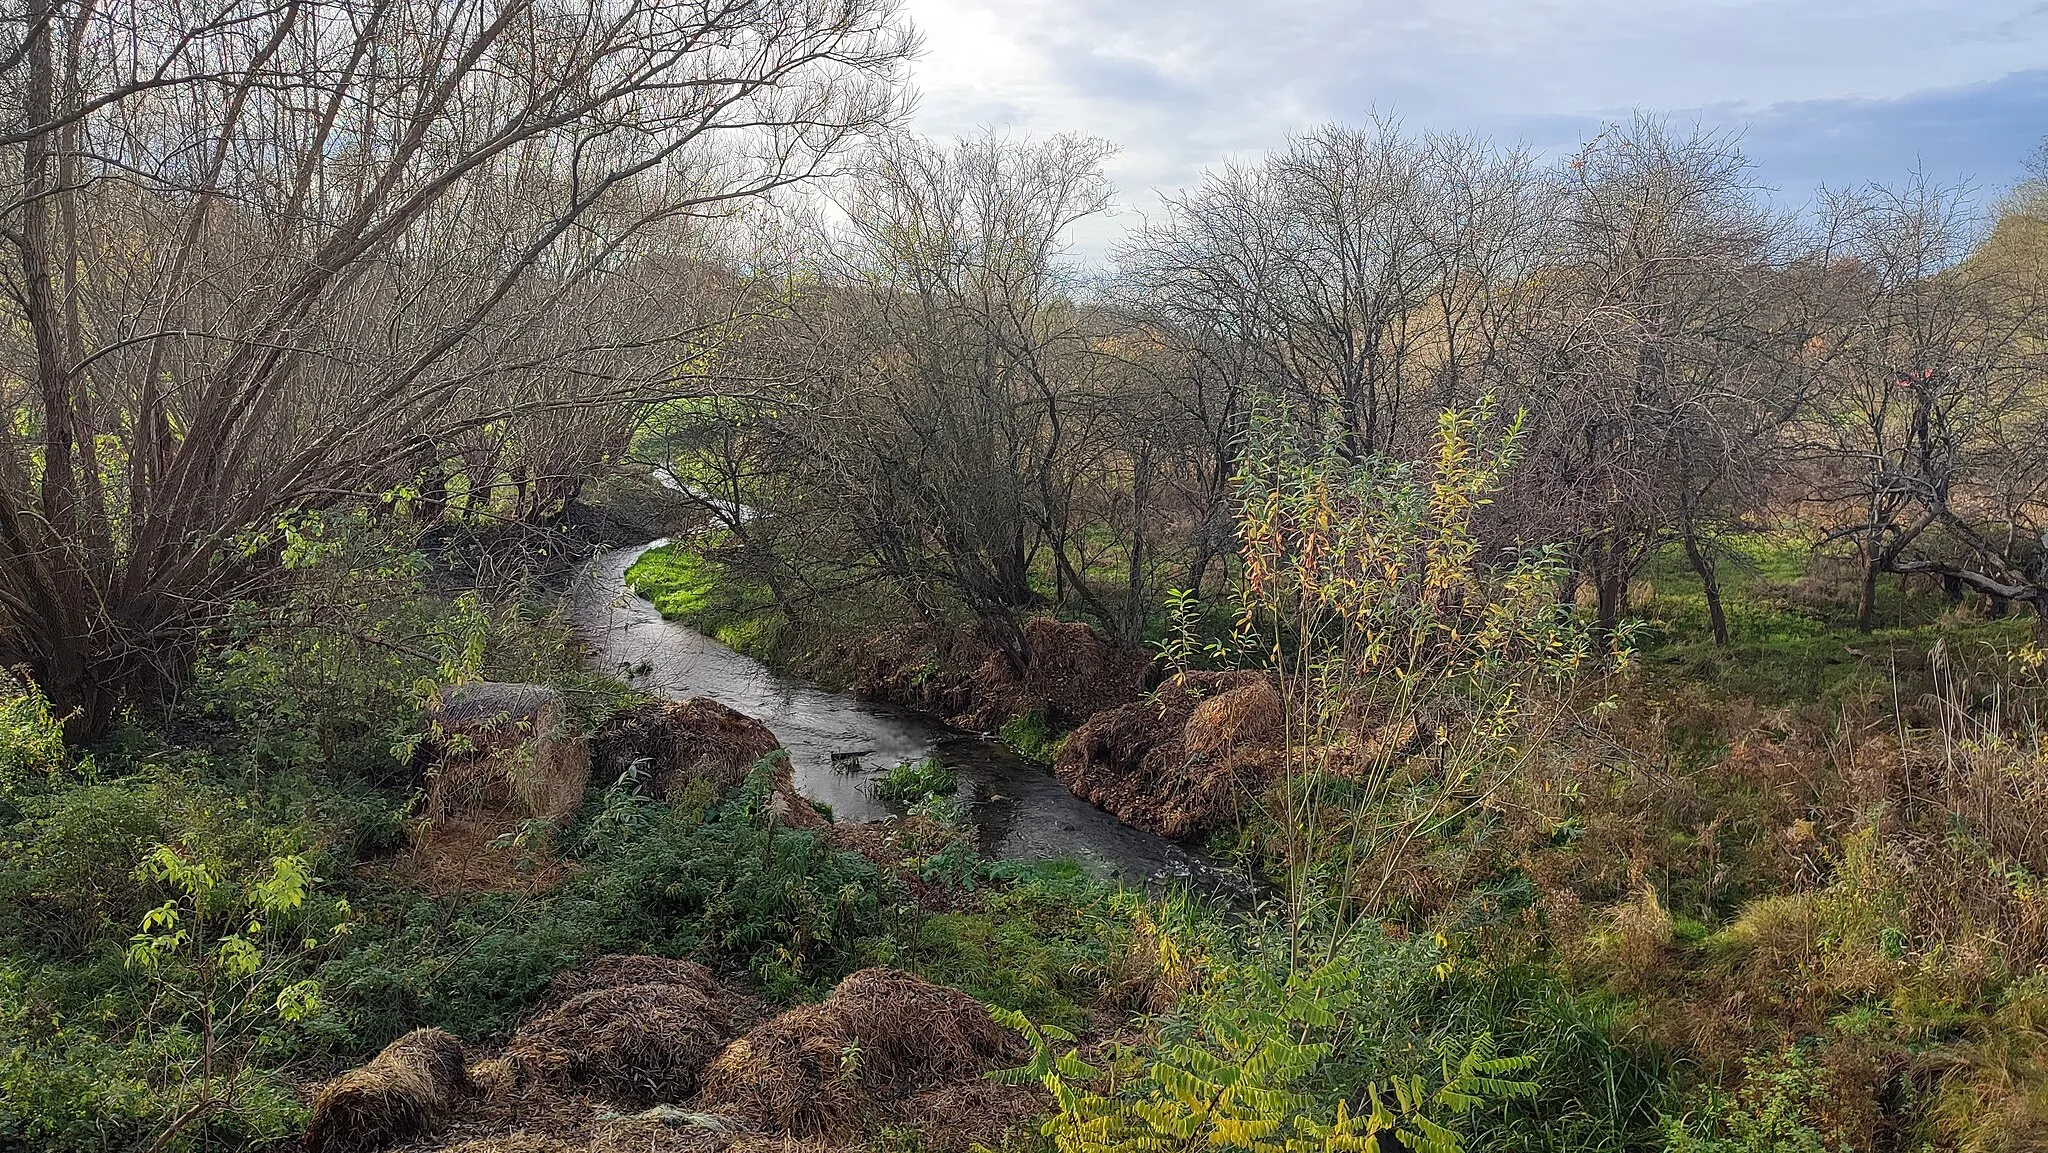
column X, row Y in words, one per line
column 940, row 397
column 1932, row 438
column 258, row 253
column 1659, row 361
column 1362, row 275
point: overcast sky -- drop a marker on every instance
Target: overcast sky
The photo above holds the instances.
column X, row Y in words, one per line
column 1825, row 91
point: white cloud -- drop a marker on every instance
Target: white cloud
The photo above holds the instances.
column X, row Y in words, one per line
column 1180, row 86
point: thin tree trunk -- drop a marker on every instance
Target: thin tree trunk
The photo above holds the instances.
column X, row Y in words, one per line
column 1703, row 563
column 1866, row 595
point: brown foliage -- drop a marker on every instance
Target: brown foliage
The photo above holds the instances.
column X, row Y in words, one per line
column 683, row 741
column 467, row 858
column 881, row 1036
column 1185, row 761
column 406, row 1091
column 1074, row 672
column 511, row 1143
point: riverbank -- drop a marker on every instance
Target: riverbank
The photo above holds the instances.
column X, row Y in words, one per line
column 282, row 828
column 842, row 742
column 1073, row 672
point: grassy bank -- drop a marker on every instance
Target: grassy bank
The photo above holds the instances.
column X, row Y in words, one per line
column 219, row 907
column 854, row 643
column 702, row 594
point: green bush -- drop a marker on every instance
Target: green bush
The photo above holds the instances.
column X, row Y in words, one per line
column 67, row 869
column 1772, row 1112
column 1034, row 736
column 180, row 1038
column 63, row 1087
column 1250, row 1067
column 32, row 752
column 797, row 912
column 914, row 782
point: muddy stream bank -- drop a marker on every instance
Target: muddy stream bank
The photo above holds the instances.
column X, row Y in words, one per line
column 1017, row 808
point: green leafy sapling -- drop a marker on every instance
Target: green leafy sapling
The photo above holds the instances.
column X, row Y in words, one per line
column 226, row 956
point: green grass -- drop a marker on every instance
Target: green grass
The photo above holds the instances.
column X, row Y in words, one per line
column 913, row 782
column 685, row 586
column 1790, row 643
column 1042, row 938
column 1034, row 736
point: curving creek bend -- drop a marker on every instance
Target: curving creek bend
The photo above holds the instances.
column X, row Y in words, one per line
column 1017, row 808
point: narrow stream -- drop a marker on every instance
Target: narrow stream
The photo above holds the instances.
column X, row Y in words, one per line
column 1018, row 809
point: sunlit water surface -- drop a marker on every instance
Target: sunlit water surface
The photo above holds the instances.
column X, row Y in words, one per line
column 1018, row 809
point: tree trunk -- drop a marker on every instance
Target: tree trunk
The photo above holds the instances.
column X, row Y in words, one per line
column 1004, row 632
column 1866, row 595
column 1703, row 563
column 1610, row 584
column 1132, row 626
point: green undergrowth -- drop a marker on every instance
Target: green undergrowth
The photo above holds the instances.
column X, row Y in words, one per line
column 1044, row 938
column 287, row 760
column 1034, row 735
column 914, row 782
column 1254, row 1023
column 687, row 587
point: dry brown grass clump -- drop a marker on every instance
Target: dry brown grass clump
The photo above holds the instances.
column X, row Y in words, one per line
column 505, row 749
column 682, row 741
column 959, row 1117
column 881, row 1036
column 501, row 755
column 478, row 857
column 1637, row 937
column 1184, row 762
column 638, row 1043
column 406, row 1091
column 617, row 970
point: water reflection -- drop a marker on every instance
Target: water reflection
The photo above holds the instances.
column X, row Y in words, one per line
column 1019, row 810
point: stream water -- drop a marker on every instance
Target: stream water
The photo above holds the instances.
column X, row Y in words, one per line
column 1018, row 809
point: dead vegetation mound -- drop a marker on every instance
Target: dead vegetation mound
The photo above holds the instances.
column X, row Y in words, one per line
column 973, row 1114
column 625, row 1027
column 1074, row 672
column 883, row 1035
column 467, row 858
column 631, row 1043
column 498, row 757
column 618, row 970
column 1185, row 761
column 681, row 741
column 791, row 809
column 405, row 1092
column 504, row 751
